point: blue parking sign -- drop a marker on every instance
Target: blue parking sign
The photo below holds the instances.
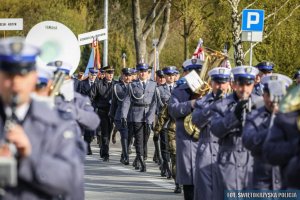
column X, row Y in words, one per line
column 253, row 20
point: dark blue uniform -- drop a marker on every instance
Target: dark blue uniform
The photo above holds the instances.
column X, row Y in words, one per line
column 282, row 143
column 206, row 173
column 101, row 95
column 234, row 160
column 120, row 91
column 265, row 176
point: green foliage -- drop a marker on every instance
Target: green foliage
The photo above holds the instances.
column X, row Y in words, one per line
column 281, row 47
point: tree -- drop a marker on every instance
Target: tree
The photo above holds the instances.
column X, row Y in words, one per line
column 292, row 7
column 192, row 14
column 143, row 26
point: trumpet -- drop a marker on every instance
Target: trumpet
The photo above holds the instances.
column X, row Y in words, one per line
column 57, row 83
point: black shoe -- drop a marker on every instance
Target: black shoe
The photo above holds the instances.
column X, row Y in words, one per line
column 126, row 161
column 163, row 172
column 106, row 159
column 89, row 153
column 143, row 164
column 177, row 189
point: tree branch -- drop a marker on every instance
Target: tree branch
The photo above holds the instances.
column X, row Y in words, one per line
column 274, row 13
column 278, row 24
column 154, row 20
column 151, row 13
column 164, row 31
column 251, row 4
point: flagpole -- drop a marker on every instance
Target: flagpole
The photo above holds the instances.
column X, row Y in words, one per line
column 124, row 59
column 105, row 47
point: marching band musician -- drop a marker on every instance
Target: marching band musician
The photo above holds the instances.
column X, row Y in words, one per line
column 160, row 79
column 163, row 96
column 139, row 106
column 120, row 91
column 234, row 161
column 44, row 141
column 265, row 68
column 84, row 89
column 265, row 176
column 206, row 174
column 181, row 104
column 100, row 95
column 281, row 147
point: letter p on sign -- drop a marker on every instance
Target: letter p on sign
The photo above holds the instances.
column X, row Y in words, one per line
column 253, row 20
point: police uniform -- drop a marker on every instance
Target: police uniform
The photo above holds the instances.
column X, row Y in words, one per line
column 164, row 94
column 100, row 95
column 120, row 91
column 206, row 173
column 234, row 161
column 52, row 139
column 282, row 144
column 265, row 176
column 265, row 68
column 84, row 89
column 157, row 152
column 140, row 106
column 180, row 106
column 75, row 107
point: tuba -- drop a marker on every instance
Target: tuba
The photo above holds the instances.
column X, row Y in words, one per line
column 291, row 103
column 212, row 59
column 57, row 43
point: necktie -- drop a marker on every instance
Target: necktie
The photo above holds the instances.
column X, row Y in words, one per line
column 170, row 88
column 144, row 84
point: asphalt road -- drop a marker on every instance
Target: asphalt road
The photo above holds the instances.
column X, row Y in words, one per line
column 113, row 181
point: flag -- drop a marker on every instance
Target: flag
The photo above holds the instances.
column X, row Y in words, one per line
column 90, row 63
column 199, row 52
column 97, row 63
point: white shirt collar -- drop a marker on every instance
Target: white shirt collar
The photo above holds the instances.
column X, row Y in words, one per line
column 21, row 111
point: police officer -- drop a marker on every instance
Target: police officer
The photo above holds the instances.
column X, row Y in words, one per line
column 160, row 77
column 206, row 175
column 164, row 94
column 42, row 141
column 265, row 176
column 181, row 104
column 84, row 89
column 139, row 106
column 264, row 68
column 297, row 77
column 101, row 74
column 234, row 161
column 120, row 91
column 281, row 146
column 100, row 95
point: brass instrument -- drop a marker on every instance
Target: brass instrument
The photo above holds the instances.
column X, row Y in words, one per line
column 57, row 83
column 212, row 59
column 291, row 103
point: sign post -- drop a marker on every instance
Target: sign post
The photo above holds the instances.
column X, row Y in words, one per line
column 252, row 27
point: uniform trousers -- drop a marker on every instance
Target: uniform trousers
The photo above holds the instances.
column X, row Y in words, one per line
column 106, row 128
column 141, row 133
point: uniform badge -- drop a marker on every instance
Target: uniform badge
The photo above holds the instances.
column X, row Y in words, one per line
column 16, row 47
column 194, row 61
column 273, row 78
column 221, row 71
column 248, row 70
column 58, row 63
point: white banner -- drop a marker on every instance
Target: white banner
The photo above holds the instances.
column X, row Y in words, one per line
column 87, row 38
column 11, row 24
